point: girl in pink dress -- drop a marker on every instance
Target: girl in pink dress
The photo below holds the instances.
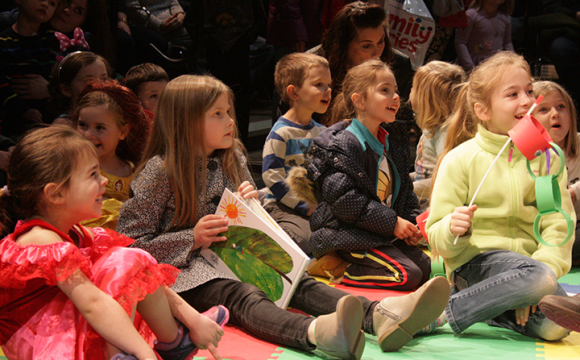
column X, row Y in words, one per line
column 69, row 292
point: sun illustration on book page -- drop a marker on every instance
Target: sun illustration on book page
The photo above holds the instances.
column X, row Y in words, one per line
column 233, row 211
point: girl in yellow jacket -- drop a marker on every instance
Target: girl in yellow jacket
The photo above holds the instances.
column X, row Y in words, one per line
column 498, row 267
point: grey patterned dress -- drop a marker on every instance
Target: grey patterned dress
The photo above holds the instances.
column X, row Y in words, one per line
column 149, row 213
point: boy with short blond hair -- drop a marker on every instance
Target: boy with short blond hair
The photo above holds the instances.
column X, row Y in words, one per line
column 303, row 81
column 147, row 81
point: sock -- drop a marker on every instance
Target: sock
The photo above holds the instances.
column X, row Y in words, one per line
column 311, row 336
column 440, row 321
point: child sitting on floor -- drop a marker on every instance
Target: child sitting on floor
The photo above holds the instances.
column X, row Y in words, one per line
column 366, row 205
column 192, row 157
column 499, row 268
column 74, row 293
column 147, row 81
column 303, row 81
column 69, row 78
column 432, row 97
column 110, row 116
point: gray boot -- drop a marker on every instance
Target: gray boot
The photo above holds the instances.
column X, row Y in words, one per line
column 397, row 319
column 339, row 334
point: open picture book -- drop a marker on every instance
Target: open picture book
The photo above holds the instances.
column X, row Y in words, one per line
column 257, row 251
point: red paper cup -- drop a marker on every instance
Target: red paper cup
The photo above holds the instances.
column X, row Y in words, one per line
column 530, row 137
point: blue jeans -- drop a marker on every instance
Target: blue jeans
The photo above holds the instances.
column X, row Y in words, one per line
column 493, row 284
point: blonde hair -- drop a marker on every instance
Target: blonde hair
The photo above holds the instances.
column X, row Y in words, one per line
column 571, row 139
column 293, row 69
column 435, row 85
column 479, row 87
column 482, row 81
column 177, row 136
column 506, row 8
column 358, row 80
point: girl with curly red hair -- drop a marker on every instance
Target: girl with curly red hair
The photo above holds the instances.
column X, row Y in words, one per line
column 111, row 117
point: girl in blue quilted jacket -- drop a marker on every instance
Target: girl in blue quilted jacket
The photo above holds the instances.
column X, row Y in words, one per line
column 364, row 223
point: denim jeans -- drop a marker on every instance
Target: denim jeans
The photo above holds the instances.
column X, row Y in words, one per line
column 493, row 284
column 251, row 309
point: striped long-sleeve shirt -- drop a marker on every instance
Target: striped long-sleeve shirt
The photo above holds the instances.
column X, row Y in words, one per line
column 286, row 146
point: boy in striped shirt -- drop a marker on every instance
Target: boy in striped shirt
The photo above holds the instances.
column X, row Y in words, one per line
column 303, row 81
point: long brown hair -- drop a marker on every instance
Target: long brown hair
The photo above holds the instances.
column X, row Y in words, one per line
column 177, row 136
column 342, row 31
column 358, row 80
column 46, row 155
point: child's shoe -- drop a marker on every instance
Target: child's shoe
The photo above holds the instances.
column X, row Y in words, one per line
column 339, row 334
column 121, row 356
column 397, row 319
column 563, row 310
column 329, row 266
column 218, row 314
column 182, row 348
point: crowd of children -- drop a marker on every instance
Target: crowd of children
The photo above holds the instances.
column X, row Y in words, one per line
column 150, row 157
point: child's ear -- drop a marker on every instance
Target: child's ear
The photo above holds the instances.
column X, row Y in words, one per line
column 358, row 101
column 65, row 90
column 291, row 90
column 482, row 112
column 125, row 131
column 54, row 194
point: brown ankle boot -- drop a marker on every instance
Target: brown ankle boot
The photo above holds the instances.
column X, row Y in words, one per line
column 563, row 310
column 339, row 334
column 396, row 319
column 330, row 266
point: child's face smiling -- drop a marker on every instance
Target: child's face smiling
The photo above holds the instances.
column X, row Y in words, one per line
column 84, row 195
column 99, row 125
column 219, row 126
column 149, row 93
column 510, row 101
column 314, row 94
column 554, row 114
column 381, row 102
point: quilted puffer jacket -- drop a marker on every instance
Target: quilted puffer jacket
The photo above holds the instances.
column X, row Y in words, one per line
column 344, row 175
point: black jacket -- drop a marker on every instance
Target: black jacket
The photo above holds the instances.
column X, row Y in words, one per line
column 350, row 215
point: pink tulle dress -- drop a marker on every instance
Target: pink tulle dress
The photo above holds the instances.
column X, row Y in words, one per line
column 38, row 321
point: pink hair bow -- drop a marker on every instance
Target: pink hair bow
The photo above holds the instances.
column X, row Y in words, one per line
column 78, row 40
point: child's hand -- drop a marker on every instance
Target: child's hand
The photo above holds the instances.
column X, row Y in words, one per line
column 405, row 229
column 414, row 240
column 206, row 334
column 207, row 229
column 247, row 191
column 461, row 219
column 572, row 195
column 311, row 210
column 523, row 315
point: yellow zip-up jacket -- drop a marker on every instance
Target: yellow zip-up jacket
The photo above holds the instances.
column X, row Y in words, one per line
column 506, row 205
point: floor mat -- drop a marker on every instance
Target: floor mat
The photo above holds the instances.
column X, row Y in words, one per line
column 478, row 342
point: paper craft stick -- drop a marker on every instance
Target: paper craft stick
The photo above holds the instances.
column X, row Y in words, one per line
column 538, row 100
